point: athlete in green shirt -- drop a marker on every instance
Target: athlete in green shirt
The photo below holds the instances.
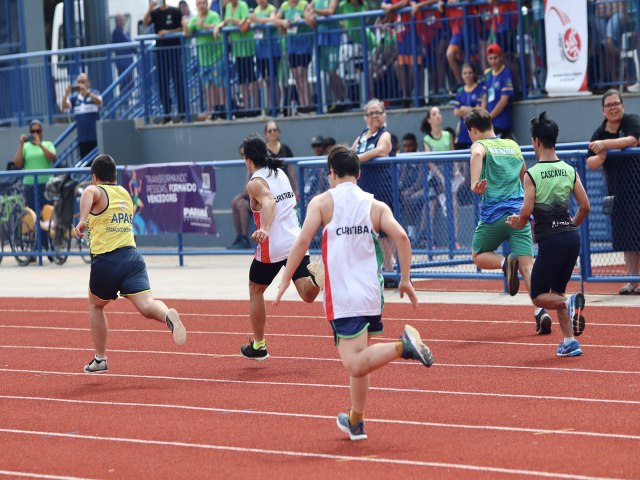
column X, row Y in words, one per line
column 497, row 169
column 548, row 186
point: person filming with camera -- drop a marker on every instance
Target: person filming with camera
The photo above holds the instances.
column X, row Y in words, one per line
column 85, row 104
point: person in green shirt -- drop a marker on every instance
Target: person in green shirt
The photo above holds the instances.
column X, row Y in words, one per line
column 243, row 49
column 268, row 49
column 34, row 153
column 213, row 65
column 548, row 187
column 497, row 169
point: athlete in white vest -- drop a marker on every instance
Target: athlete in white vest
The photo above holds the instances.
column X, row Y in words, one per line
column 353, row 286
column 273, row 204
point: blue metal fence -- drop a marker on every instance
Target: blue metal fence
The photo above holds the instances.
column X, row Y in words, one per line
column 440, row 223
column 403, row 59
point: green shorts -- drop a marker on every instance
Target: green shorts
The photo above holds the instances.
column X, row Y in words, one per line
column 489, row 236
column 329, row 60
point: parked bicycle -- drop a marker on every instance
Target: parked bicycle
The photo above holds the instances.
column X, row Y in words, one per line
column 17, row 222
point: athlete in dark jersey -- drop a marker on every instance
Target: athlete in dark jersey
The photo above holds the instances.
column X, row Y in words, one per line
column 548, row 186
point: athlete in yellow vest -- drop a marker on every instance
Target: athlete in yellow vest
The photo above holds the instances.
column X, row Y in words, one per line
column 106, row 214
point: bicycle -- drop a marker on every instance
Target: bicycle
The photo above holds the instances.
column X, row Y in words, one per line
column 17, row 223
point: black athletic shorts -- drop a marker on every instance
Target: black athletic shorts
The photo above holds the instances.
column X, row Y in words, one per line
column 264, row 273
column 557, row 255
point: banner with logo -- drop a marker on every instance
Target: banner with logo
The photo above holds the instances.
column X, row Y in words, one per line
column 566, row 38
column 172, row 198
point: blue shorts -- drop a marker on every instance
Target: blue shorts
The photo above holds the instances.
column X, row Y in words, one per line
column 456, row 41
column 352, row 327
column 214, row 74
column 122, row 270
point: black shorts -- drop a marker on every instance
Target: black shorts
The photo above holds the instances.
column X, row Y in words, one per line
column 265, row 70
column 246, row 70
column 557, row 255
column 299, row 60
column 352, row 327
column 264, row 273
column 122, row 270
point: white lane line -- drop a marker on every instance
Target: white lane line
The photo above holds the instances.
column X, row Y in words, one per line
column 320, row 359
column 12, row 473
column 325, row 456
column 325, row 385
column 301, row 335
column 535, row 431
column 245, row 317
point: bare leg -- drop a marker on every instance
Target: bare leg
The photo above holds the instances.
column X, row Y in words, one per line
column 632, row 262
column 243, row 212
column 360, row 360
column 487, row 260
column 258, row 312
column 306, row 289
column 98, row 325
column 556, row 301
column 526, row 265
column 149, row 307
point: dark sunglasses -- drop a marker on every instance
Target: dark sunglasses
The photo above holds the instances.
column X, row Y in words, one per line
column 35, row 131
column 273, row 130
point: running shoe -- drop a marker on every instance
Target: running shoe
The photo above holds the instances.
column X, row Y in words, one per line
column 575, row 305
column 413, row 348
column 96, row 366
column 355, row 432
column 175, row 325
column 316, row 269
column 249, row 352
column 571, row 350
column 510, row 270
column 543, row 323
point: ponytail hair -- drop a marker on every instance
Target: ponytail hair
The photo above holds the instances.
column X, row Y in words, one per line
column 255, row 149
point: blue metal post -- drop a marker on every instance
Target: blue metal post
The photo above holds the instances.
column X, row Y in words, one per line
column 51, row 96
column 225, row 43
column 146, row 81
column 180, row 250
column 523, row 55
column 365, row 60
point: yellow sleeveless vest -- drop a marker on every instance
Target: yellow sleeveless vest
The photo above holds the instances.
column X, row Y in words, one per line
column 112, row 228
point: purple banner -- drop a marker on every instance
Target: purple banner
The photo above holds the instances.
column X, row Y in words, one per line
column 172, row 198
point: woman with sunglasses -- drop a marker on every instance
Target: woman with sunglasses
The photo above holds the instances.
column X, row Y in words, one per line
column 35, row 154
column 280, row 150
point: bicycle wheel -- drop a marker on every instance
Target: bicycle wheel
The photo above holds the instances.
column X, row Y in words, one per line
column 59, row 242
column 23, row 237
column 83, row 248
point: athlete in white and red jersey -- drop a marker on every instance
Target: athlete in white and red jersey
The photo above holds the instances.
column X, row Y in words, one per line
column 273, row 204
column 353, row 282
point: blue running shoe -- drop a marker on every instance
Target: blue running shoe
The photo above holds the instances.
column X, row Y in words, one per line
column 356, row 432
column 413, row 348
column 571, row 350
column 575, row 305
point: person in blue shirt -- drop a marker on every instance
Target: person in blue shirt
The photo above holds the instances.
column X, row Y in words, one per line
column 124, row 57
column 86, row 104
column 471, row 94
column 499, row 83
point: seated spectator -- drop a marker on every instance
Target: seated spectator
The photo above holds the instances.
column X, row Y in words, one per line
column 499, row 85
column 240, row 212
column 411, row 188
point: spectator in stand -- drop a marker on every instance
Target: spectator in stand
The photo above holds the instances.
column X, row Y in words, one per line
column 314, row 182
column 411, row 188
column 455, row 53
column 213, row 65
column 85, row 104
column 606, row 26
column 470, row 95
column 124, row 58
column 34, row 153
column 186, row 12
column 299, row 48
column 243, row 48
column 432, row 34
column 384, row 58
column 620, row 130
column 375, row 142
column 329, row 143
column 280, row 150
column 241, row 213
column 436, row 139
column 329, row 34
column 407, row 56
column 167, row 20
column 499, row 85
column 268, row 51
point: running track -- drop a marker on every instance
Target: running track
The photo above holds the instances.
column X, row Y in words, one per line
column 497, row 404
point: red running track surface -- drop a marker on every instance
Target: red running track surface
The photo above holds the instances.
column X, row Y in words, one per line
column 498, row 403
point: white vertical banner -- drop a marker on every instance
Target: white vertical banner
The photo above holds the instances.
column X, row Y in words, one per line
column 566, row 38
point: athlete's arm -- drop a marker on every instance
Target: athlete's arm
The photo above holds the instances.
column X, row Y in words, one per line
column 477, row 156
column 519, row 221
column 260, row 193
column 390, row 226
column 583, row 202
column 312, row 222
column 382, row 149
column 89, row 198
